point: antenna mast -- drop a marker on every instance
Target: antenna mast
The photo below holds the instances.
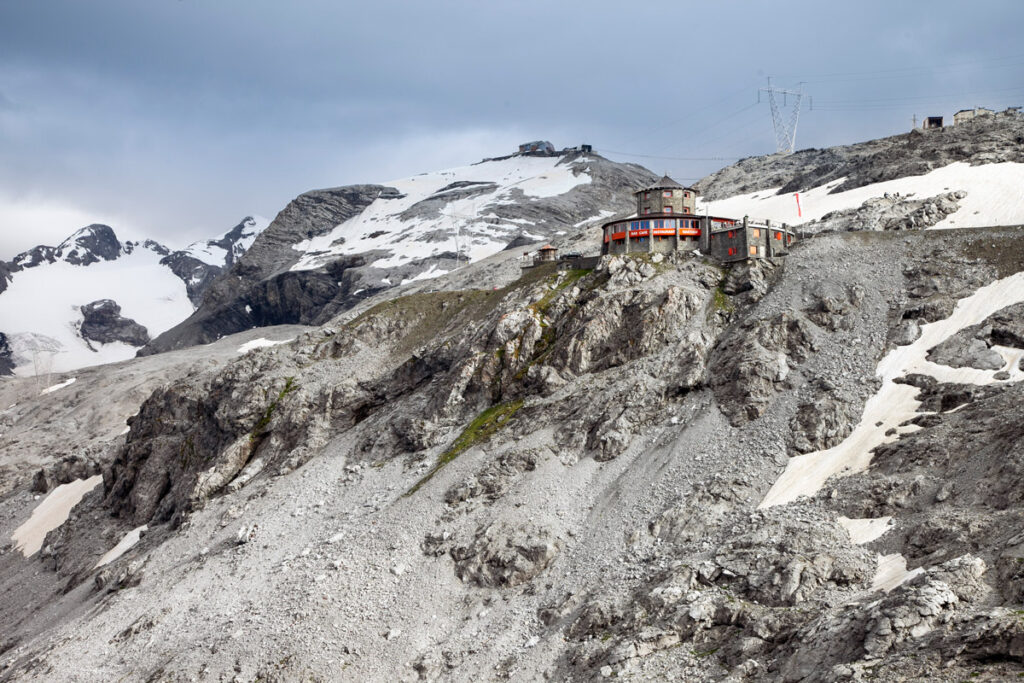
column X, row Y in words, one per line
column 785, row 132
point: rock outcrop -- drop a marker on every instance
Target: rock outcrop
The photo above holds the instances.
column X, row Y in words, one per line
column 6, row 356
column 102, row 322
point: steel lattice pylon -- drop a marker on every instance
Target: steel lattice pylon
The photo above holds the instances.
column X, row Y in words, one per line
column 785, row 132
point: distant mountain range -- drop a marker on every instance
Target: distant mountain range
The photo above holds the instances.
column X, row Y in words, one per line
column 95, row 299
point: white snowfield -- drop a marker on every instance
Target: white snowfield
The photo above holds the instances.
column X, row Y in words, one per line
column 892, row 571
column 51, row 513
column 123, row 546
column 215, row 255
column 45, row 300
column 260, row 343
column 893, row 404
column 866, row 529
column 994, row 197
column 40, row 310
column 535, row 177
column 50, row 389
column 896, row 403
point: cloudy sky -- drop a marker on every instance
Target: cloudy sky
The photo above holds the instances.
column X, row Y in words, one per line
column 175, row 118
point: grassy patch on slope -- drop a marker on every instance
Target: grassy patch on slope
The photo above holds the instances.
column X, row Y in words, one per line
column 483, row 427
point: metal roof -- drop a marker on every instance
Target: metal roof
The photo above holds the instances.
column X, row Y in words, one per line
column 664, row 184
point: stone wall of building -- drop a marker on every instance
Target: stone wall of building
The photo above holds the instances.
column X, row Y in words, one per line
column 968, row 114
column 752, row 241
column 654, row 201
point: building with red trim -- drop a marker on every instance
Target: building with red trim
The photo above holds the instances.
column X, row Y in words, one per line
column 666, row 221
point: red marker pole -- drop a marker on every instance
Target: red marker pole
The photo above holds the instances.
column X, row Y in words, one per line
column 798, row 212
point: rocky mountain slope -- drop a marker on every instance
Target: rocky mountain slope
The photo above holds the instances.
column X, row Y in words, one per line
column 95, row 299
column 959, row 176
column 421, row 493
column 663, row 468
column 329, row 250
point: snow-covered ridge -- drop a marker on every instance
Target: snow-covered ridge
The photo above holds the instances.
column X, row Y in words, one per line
column 993, row 198
column 229, row 246
column 41, row 307
column 418, row 221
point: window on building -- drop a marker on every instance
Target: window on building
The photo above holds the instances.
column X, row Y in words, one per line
column 647, row 195
column 668, row 209
column 645, row 225
column 753, row 251
column 658, row 225
column 778, row 235
column 732, row 234
column 757, row 232
column 686, row 209
column 731, row 251
column 666, row 193
column 635, row 225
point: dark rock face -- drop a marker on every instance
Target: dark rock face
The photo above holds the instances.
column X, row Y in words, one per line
column 251, row 278
column 972, row 346
column 103, row 323
column 67, row 469
column 521, row 241
column 5, row 275
column 964, row 350
column 197, row 274
column 33, row 257
column 6, row 362
column 89, row 245
column 231, row 303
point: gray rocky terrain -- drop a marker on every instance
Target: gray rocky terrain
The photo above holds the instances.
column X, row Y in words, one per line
column 547, row 474
column 420, row 494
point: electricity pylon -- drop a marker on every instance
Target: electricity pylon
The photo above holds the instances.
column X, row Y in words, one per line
column 785, row 134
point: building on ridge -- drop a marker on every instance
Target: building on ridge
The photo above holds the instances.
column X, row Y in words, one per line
column 537, row 147
column 968, row 114
column 666, row 221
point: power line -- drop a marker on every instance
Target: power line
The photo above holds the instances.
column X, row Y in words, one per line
column 919, row 97
column 930, row 67
column 691, row 113
column 719, row 121
column 654, row 156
